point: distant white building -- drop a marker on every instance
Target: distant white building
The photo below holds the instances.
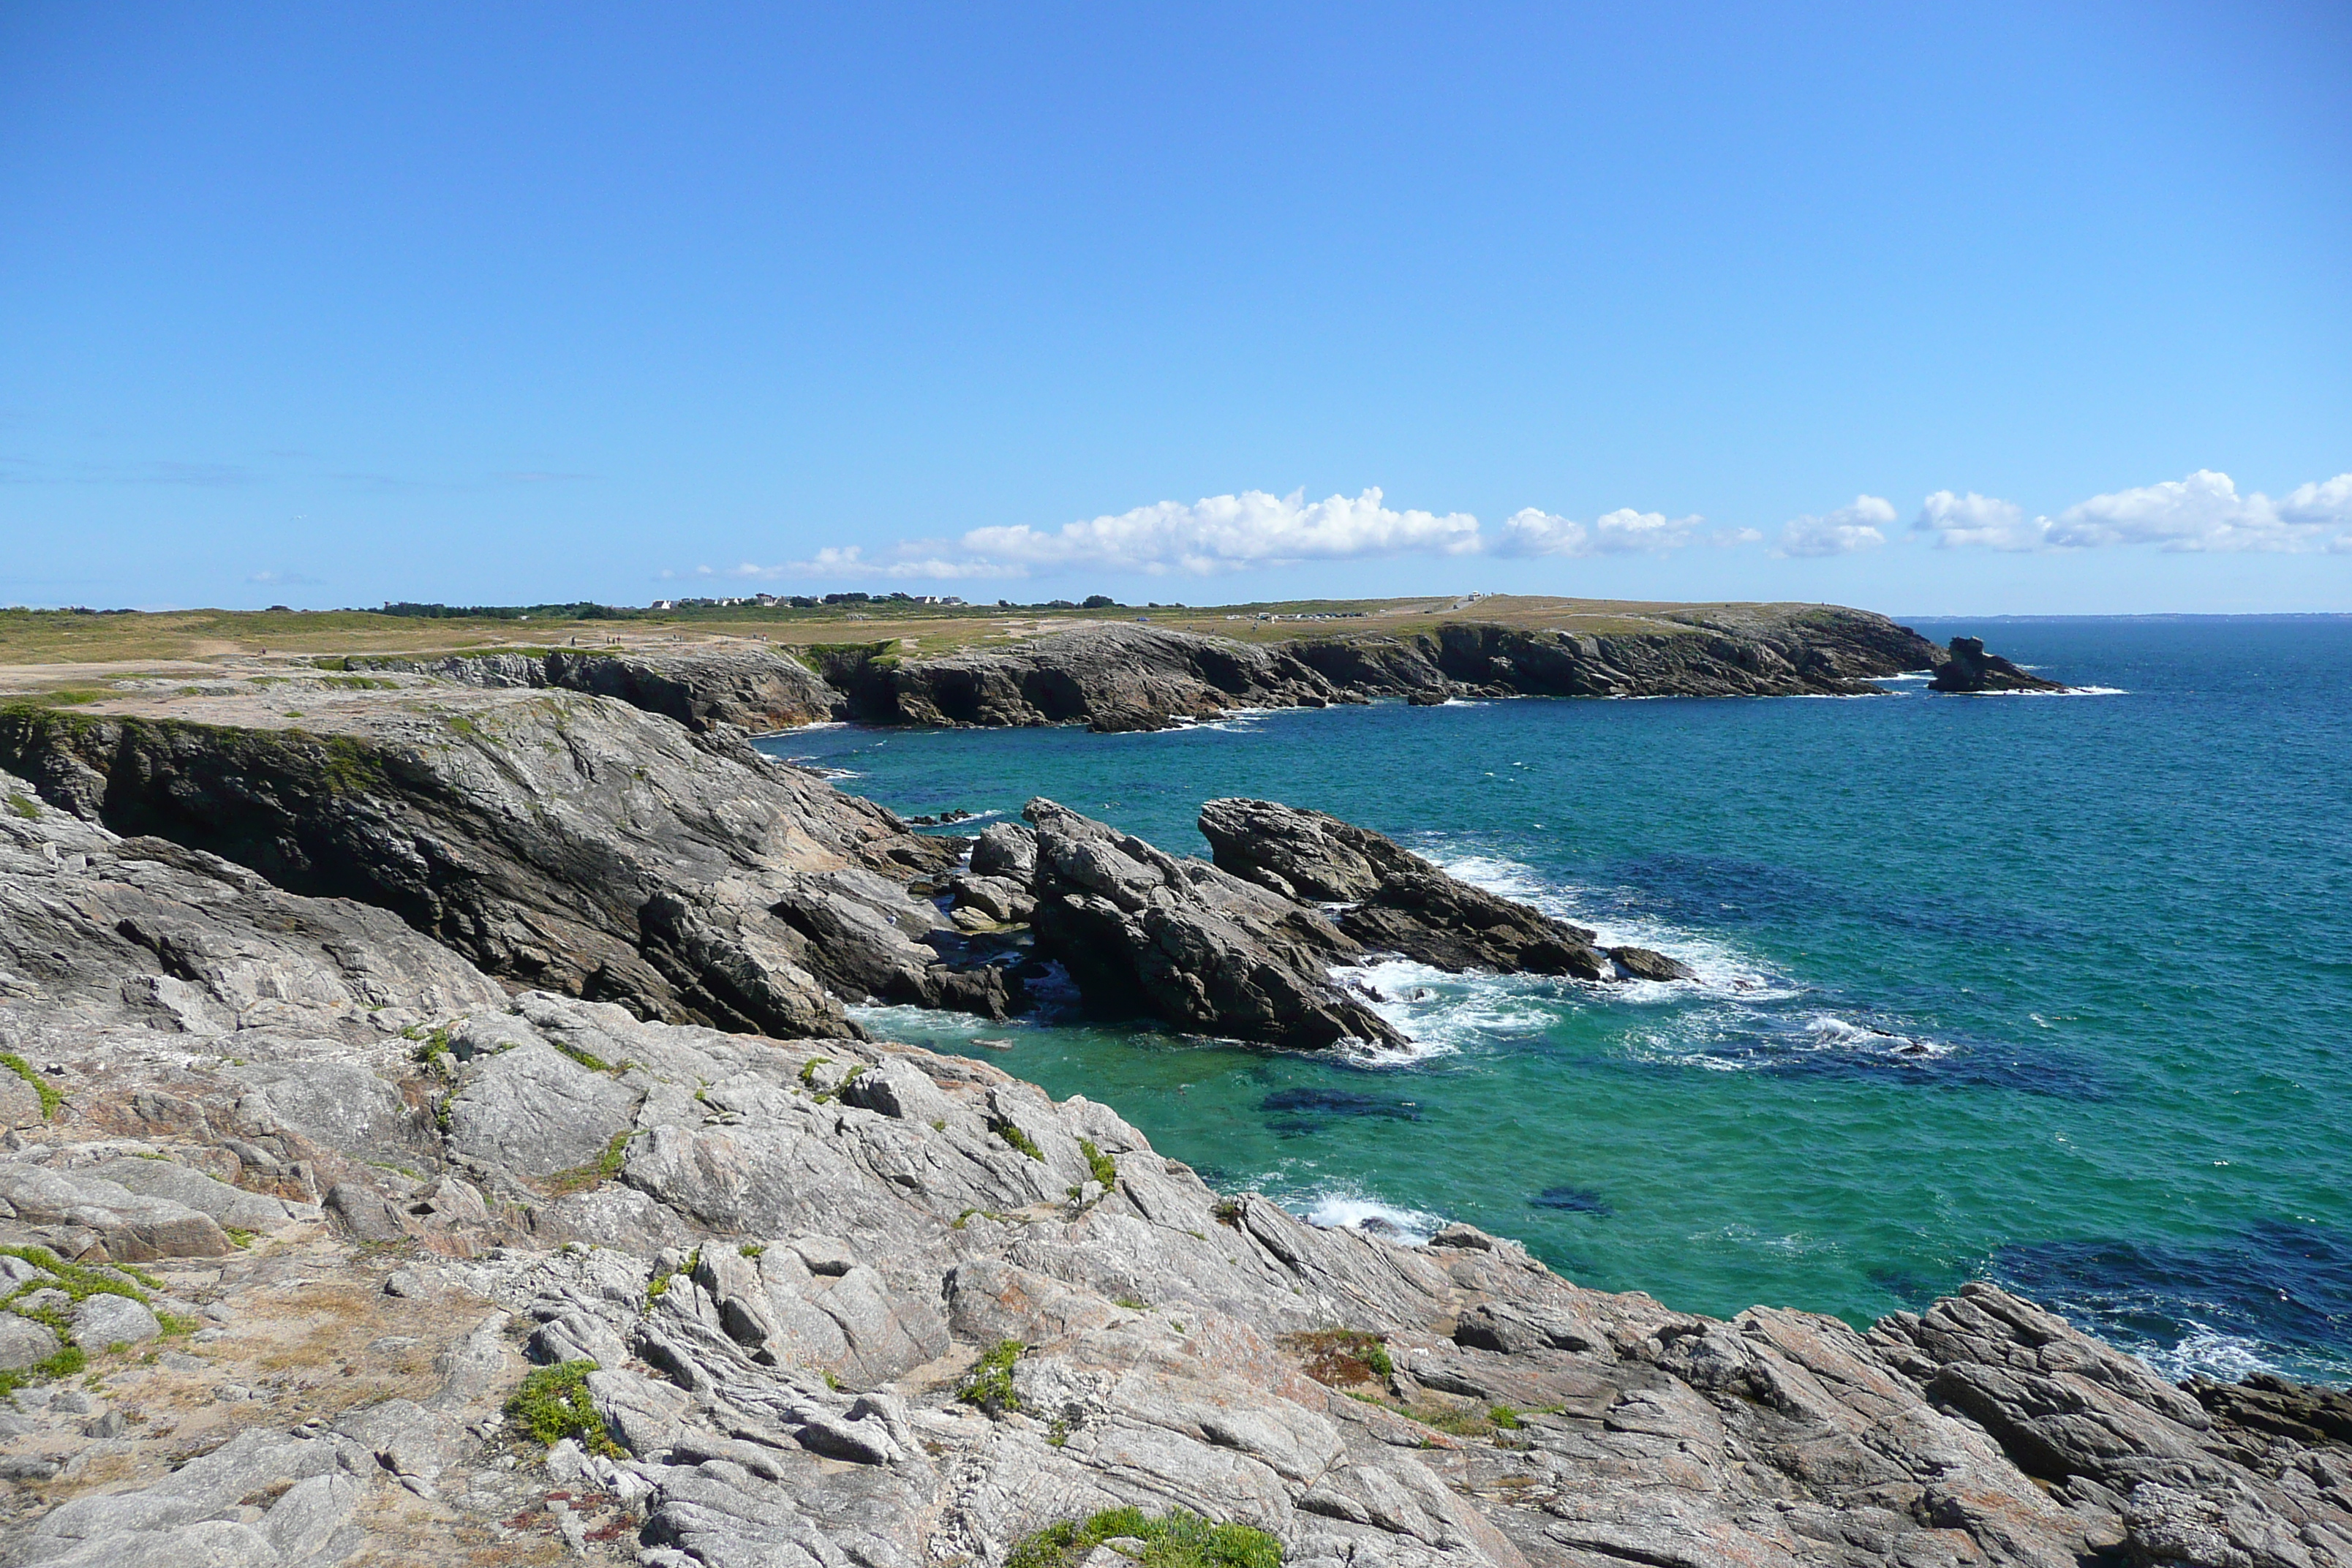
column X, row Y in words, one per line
column 663, row 605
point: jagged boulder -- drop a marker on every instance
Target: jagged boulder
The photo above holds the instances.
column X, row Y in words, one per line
column 1140, row 931
column 1967, row 667
column 1400, row 902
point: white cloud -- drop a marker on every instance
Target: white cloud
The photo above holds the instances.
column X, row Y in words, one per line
column 1972, row 519
column 1212, row 536
column 1625, row 531
column 2201, row 512
column 1226, row 533
column 1839, row 532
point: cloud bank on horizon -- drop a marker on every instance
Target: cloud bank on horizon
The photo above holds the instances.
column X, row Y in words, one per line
column 1222, row 534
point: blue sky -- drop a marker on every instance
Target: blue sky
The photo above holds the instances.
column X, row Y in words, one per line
column 2034, row 308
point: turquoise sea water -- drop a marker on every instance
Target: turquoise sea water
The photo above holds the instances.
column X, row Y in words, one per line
column 2057, row 991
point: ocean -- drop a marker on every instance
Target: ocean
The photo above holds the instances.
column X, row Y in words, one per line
column 2053, row 991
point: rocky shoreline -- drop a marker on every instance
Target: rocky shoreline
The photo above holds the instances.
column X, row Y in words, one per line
column 1113, row 676
column 433, row 1136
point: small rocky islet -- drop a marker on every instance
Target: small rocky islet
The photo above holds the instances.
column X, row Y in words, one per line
column 434, row 1135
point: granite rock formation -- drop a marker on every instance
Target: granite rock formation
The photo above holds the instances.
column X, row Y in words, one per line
column 568, row 842
column 1115, row 677
column 753, row 689
column 528, row 1278
column 1967, row 667
column 1108, row 677
column 321, row 1247
column 1140, row 931
column 1397, row 902
column 1255, row 946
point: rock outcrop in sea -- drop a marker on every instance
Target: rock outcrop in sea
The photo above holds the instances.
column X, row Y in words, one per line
column 1969, row 668
column 324, row 1245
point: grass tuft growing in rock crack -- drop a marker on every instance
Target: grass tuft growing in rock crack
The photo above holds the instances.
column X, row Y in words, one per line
column 552, row 1404
column 1021, row 1140
column 607, row 1166
column 989, row 1385
column 50, row 1096
column 588, row 1059
column 1176, row 1539
column 1104, row 1168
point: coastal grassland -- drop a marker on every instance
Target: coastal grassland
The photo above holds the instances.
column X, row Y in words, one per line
column 69, row 652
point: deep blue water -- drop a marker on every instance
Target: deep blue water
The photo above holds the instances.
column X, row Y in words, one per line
column 2057, row 991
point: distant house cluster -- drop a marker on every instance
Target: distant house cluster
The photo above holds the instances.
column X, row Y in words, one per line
column 804, row 601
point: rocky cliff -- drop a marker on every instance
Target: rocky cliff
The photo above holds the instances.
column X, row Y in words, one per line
column 556, row 840
column 748, row 687
column 323, row 1246
column 1124, row 677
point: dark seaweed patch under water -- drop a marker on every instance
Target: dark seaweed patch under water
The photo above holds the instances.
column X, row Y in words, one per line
column 1309, row 1101
column 2286, row 1287
column 1574, row 1200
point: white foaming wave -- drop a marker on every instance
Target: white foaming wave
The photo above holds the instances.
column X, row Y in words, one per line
column 2070, row 691
column 1834, row 1033
column 1342, row 1209
column 1720, row 969
column 905, row 1023
column 1731, row 1039
column 2225, row 1358
column 1232, row 722
column 1441, row 1013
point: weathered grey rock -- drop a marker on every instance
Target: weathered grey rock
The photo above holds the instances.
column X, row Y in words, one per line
column 128, row 1228
column 1400, row 903
column 336, row 1105
column 143, row 932
column 1644, row 964
column 24, row 1342
column 1967, row 667
column 568, row 841
column 1301, row 854
column 1115, row 677
column 1110, row 677
column 144, row 1526
column 1001, row 899
column 1005, row 849
column 749, row 688
column 642, row 1415
column 365, row 1213
column 106, row 1319
column 1142, row 932
column 533, row 1110
column 231, row 1207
